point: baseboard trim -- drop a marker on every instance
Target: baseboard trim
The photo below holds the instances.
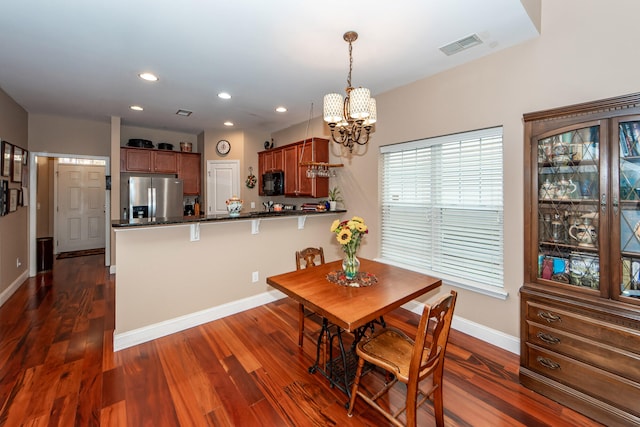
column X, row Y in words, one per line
column 476, row 330
column 13, row 287
column 171, row 326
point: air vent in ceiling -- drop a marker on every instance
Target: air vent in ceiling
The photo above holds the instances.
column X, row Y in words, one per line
column 461, row 45
column 184, row 113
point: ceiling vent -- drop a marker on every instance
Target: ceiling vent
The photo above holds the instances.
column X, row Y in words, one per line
column 461, row 45
column 184, row 113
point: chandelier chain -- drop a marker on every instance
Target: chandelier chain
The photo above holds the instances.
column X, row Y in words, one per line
column 350, row 65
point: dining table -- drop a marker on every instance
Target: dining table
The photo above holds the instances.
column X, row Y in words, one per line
column 355, row 306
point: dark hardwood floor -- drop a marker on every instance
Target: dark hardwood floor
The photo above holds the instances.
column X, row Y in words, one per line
column 58, row 368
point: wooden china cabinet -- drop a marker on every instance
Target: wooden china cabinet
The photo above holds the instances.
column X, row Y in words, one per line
column 580, row 302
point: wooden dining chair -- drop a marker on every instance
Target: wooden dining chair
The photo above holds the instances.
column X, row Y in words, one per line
column 410, row 362
column 307, row 258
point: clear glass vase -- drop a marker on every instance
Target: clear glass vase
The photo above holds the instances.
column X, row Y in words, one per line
column 350, row 266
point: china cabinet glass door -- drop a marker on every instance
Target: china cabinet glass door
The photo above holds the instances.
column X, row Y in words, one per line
column 627, row 182
column 569, row 202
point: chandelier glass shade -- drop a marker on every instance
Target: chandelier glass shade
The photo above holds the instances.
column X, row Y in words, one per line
column 352, row 117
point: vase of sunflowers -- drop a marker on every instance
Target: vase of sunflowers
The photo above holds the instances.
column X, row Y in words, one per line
column 349, row 234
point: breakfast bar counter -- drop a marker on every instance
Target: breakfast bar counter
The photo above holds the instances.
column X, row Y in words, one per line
column 175, row 273
column 255, row 215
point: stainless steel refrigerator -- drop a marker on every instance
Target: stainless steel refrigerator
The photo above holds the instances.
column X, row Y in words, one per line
column 152, row 197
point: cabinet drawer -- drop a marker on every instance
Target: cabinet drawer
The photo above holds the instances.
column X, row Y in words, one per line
column 596, row 329
column 596, row 354
column 612, row 389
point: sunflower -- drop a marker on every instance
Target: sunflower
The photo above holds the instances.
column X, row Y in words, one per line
column 344, row 237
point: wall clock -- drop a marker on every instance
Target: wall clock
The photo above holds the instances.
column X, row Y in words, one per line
column 223, row 147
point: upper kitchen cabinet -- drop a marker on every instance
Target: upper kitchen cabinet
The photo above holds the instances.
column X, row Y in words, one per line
column 270, row 160
column 165, row 161
column 580, row 303
column 148, row 160
column 290, row 159
column 189, row 171
column 186, row 165
column 296, row 181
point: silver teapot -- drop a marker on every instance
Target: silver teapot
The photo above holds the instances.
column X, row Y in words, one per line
column 565, row 188
column 584, row 233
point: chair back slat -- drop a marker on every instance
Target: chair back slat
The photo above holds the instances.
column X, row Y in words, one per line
column 309, row 257
column 432, row 335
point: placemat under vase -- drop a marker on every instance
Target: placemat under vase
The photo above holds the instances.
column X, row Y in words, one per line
column 361, row 280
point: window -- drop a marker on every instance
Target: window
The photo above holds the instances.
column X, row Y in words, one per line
column 442, row 207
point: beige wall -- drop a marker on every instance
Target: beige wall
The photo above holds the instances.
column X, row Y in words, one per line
column 64, row 135
column 44, row 197
column 13, row 227
column 585, row 52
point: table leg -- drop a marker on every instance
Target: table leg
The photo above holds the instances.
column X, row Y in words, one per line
column 339, row 370
column 321, row 347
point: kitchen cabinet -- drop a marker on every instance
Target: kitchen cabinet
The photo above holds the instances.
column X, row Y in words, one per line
column 148, row 160
column 189, row 168
column 268, row 161
column 296, row 182
column 288, row 158
column 580, row 302
column 186, row 166
column 271, row 160
column 134, row 160
column 164, row 161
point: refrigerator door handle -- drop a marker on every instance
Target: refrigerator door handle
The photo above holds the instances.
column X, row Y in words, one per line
column 151, row 193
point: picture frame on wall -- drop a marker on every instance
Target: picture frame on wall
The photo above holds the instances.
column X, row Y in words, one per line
column 4, row 189
column 16, row 167
column 5, row 167
column 13, row 199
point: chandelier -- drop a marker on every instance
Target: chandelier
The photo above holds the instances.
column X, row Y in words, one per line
column 351, row 119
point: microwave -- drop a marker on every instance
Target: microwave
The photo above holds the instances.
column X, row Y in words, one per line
column 273, row 183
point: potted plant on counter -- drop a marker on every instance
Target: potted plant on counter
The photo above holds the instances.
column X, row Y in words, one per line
column 334, row 198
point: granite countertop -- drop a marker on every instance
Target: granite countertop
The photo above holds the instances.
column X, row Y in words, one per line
column 137, row 222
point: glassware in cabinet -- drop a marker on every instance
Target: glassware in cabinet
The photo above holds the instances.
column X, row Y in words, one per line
column 568, row 177
column 628, row 191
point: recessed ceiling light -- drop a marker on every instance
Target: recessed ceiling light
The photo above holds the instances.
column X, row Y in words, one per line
column 136, row 108
column 281, row 109
column 148, row 77
column 224, row 95
column 228, row 123
column 184, row 113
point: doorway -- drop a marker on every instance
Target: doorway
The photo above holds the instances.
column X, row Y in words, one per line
column 223, row 182
column 50, row 187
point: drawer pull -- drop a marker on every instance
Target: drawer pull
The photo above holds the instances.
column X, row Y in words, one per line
column 548, row 316
column 548, row 363
column 549, row 339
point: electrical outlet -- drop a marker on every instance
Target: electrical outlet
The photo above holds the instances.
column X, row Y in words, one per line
column 253, row 205
column 18, row 263
column 254, row 277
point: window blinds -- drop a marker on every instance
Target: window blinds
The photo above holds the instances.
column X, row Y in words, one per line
column 442, row 205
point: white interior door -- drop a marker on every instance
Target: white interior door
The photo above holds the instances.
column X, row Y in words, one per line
column 223, row 182
column 80, row 212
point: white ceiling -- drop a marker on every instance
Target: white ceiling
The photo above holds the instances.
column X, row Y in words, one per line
column 81, row 58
